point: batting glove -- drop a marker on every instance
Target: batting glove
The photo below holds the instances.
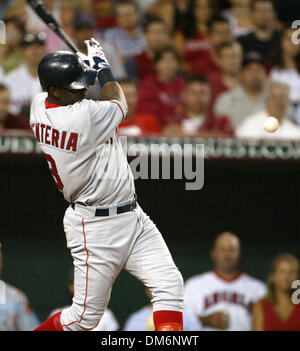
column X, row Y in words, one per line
column 95, row 57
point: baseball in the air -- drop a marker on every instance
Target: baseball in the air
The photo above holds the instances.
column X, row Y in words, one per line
column 271, row 124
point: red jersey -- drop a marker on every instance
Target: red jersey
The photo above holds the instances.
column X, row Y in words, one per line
column 161, row 99
column 272, row 321
column 139, row 124
column 195, row 49
column 218, row 124
column 144, row 65
column 217, row 87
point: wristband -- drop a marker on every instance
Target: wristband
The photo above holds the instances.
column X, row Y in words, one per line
column 105, row 76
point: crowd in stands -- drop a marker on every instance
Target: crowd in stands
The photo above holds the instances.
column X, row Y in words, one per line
column 223, row 298
column 211, row 68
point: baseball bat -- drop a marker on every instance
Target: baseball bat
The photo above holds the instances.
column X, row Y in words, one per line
column 46, row 16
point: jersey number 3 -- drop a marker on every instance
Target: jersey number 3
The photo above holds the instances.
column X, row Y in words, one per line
column 53, row 171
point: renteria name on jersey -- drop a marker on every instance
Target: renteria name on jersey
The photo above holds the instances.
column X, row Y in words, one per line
column 59, row 139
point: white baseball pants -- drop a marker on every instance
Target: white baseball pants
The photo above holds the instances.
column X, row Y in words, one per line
column 101, row 247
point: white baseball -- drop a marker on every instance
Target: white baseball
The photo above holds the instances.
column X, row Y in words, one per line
column 271, row 124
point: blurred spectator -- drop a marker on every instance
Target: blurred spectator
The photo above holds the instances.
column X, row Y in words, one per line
column 33, row 49
column 3, row 6
column 276, row 312
column 11, row 55
column 142, row 320
column 160, row 94
column 218, row 34
column 7, row 120
column 136, row 123
column 17, row 9
column 264, row 35
column 286, row 63
column 197, row 118
column 157, row 37
column 15, row 312
column 222, row 299
column 192, row 42
column 239, row 17
column 249, row 97
column 67, row 15
column 128, row 38
column 84, row 29
column 34, row 24
column 229, row 56
column 108, row 321
column 277, row 103
column 103, row 11
column 144, row 4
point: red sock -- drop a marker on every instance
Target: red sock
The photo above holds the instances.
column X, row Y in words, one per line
column 51, row 324
column 168, row 321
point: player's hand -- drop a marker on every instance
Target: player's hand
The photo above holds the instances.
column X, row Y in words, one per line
column 95, row 57
column 218, row 320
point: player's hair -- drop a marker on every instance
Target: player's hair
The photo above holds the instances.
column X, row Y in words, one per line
column 254, row 2
column 284, row 257
column 196, row 78
column 216, row 19
column 169, row 49
column 153, row 19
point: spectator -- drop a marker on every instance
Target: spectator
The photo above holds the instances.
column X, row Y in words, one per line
column 239, row 17
column 33, row 49
column 108, row 321
column 192, row 42
column 84, row 29
column 15, row 312
column 157, row 37
column 103, row 11
column 3, row 6
column 264, row 35
column 218, row 34
column 277, row 103
column 67, row 15
column 276, row 312
column 144, row 4
column 128, row 38
column 286, row 63
column 197, row 118
column 248, row 98
column 136, row 123
column 229, row 56
column 7, row 120
column 222, row 298
column 142, row 320
column 11, row 54
column 160, row 94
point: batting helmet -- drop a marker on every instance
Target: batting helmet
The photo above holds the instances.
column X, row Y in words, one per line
column 64, row 69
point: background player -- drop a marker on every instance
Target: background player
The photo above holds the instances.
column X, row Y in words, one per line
column 105, row 228
column 15, row 312
column 223, row 298
column 108, row 321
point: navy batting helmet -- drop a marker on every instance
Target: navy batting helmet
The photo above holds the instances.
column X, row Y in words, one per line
column 64, row 69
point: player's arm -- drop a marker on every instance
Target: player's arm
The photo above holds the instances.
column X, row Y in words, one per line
column 258, row 318
column 110, row 88
column 218, row 320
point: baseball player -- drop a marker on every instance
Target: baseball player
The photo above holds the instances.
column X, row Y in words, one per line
column 106, row 230
column 222, row 298
column 15, row 311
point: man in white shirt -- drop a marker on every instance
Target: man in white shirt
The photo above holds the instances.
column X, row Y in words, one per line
column 277, row 104
column 222, row 298
column 23, row 82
